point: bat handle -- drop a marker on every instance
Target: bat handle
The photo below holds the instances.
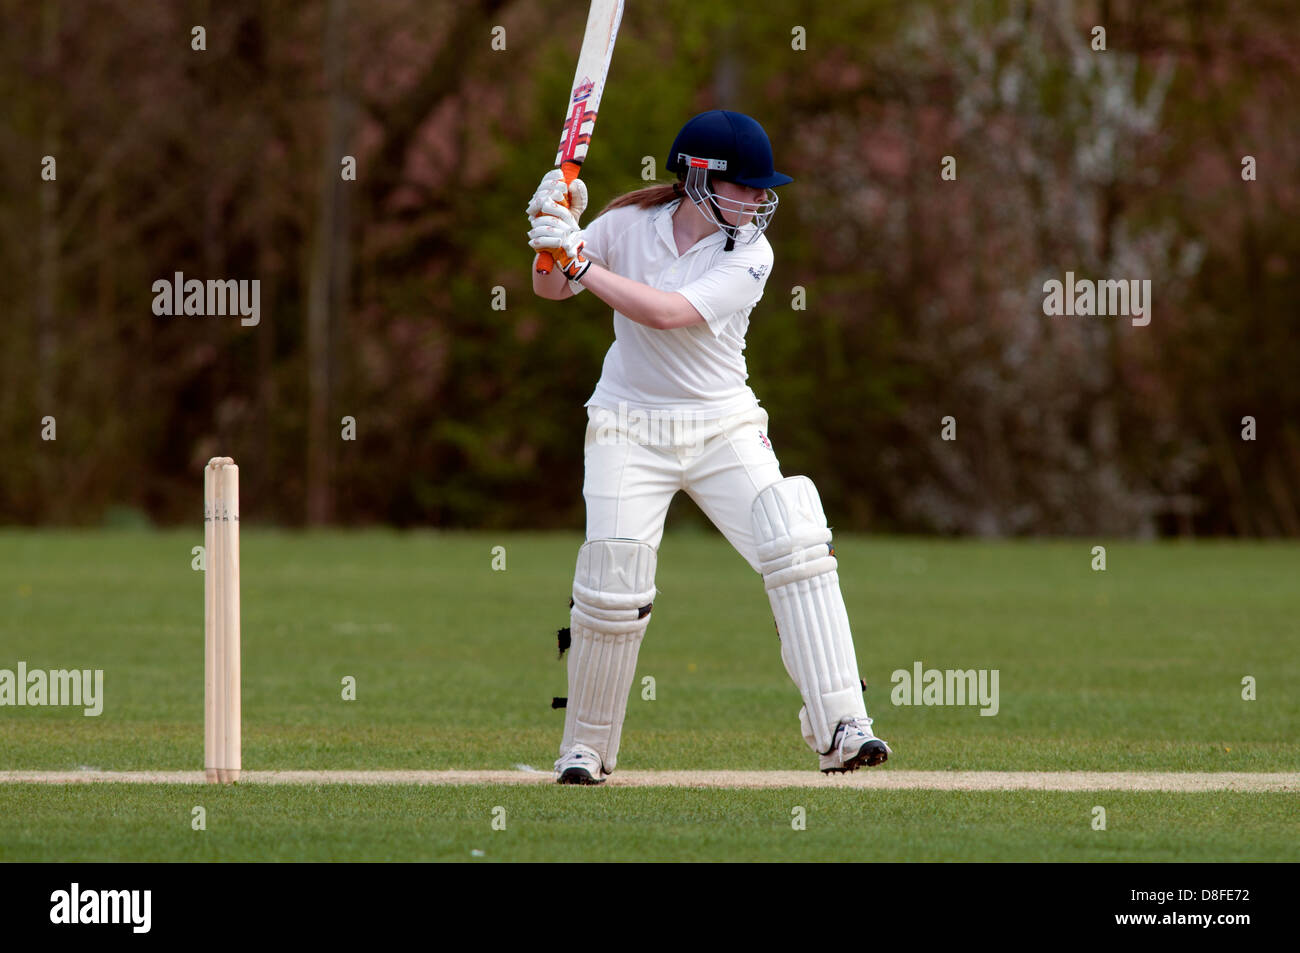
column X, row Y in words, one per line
column 545, row 260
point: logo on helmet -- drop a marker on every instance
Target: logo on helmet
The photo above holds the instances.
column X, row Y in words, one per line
column 713, row 165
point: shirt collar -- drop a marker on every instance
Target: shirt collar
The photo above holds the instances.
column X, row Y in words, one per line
column 663, row 223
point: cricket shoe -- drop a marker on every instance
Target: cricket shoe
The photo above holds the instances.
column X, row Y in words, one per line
column 853, row 747
column 580, row 765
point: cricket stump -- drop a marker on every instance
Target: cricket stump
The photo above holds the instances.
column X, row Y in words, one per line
column 221, row 694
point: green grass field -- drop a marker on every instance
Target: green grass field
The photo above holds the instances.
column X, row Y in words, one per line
column 1138, row 668
column 551, row 823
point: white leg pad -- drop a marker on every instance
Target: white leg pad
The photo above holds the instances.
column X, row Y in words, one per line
column 803, row 587
column 613, row 589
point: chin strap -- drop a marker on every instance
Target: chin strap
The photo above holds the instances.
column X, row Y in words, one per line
column 722, row 222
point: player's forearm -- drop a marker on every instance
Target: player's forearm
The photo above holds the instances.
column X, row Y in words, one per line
column 639, row 302
column 553, row 286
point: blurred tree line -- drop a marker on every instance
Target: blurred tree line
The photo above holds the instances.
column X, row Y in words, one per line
column 924, row 296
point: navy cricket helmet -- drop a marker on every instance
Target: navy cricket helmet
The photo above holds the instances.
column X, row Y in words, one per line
column 736, row 144
column 730, row 146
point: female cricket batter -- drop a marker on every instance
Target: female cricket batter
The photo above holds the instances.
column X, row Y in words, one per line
column 682, row 266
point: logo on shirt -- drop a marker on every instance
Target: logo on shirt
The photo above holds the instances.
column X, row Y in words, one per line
column 762, row 437
column 758, row 273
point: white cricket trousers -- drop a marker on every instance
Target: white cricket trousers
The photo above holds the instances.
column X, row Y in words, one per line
column 636, row 462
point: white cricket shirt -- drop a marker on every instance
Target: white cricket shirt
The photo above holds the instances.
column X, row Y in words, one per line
column 698, row 369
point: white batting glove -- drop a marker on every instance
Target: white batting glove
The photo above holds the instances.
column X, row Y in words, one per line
column 553, row 189
column 577, row 198
column 556, row 231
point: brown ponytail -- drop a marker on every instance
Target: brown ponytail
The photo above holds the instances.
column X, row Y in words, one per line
column 647, row 197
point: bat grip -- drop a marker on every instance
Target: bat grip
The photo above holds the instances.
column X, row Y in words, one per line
column 545, row 260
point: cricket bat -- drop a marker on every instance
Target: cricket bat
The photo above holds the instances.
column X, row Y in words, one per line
column 584, row 100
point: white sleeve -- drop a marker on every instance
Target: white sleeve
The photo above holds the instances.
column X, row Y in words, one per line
column 734, row 285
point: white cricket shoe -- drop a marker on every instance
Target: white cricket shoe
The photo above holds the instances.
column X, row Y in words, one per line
column 580, row 765
column 853, row 747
